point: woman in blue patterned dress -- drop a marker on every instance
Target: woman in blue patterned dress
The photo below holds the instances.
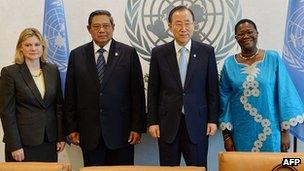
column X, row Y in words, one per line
column 259, row 102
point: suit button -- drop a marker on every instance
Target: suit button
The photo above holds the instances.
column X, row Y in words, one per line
column 184, row 94
column 100, row 110
column 100, row 94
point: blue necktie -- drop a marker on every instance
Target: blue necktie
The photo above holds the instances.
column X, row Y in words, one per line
column 183, row 68
column 100, row 65
column 183, row 64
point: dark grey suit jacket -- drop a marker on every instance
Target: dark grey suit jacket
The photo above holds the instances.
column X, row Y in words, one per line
column 112, row 109
column 25, row 116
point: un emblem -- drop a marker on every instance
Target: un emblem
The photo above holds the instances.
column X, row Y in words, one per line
column 294, row 41
column 55, row 34
column 146, row 23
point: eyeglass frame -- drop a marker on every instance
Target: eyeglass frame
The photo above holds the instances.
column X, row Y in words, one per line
column 179, row 25
column 248, row 33
column 105, row 26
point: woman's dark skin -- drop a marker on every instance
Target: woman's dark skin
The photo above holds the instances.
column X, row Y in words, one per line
column 246, row 35
column 228, row 141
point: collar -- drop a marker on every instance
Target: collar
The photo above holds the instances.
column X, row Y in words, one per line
column 106, row 47
column 178, row 47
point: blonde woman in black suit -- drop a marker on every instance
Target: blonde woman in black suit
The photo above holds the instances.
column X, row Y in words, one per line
column 31, row 103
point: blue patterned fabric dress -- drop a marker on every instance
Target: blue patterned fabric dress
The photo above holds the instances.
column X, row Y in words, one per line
column 257, row 101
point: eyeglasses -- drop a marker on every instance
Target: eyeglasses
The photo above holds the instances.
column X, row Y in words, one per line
column 105, row 26
column 180, row 25
column 248, row 33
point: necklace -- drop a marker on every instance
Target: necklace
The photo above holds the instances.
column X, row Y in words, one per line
column 250, row 57
column 38, row 74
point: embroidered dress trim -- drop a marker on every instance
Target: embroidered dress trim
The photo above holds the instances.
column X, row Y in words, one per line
column 225, row 125
column 251, row 88
column 285, row 125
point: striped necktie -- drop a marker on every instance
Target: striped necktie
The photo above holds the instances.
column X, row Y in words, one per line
column 100, row 65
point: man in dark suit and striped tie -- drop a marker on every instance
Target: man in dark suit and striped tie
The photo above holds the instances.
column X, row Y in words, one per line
column 105, row 103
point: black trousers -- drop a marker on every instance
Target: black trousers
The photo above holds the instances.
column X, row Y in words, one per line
column 103, row 156
column 194, row 154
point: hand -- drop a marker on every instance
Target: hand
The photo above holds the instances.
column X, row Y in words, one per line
column 229, row 145
column 211, row 128
column 60, row 146
column 74, row 137
column 134, row 137
column 18, row 155
column 285, row 141
column 154, row 131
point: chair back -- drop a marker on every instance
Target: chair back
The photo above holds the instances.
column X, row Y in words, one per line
column 34, row 166
column 253, row 161
column 142, row 168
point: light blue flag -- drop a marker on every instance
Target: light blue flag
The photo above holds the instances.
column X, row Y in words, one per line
column 55, row 34
column 293, row 52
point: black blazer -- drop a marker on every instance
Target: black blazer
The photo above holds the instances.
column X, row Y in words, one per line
column 25, row 116
column 112, row 109
column 166, row 95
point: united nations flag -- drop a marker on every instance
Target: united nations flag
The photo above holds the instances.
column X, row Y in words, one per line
column 55, row 34
column 293, row 53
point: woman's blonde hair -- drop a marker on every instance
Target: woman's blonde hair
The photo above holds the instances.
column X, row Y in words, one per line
column 26, row 33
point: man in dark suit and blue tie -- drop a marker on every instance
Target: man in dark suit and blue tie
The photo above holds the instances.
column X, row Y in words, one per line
column 182, row 94
column 105, row 103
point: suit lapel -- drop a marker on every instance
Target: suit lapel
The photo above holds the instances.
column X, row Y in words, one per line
column 90, row 62
column 193, row 62
column 172, row 62
column 113, row 58
column 25, row 72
